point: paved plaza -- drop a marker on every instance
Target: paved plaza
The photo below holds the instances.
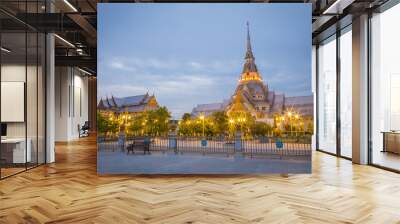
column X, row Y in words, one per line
column 195, row 163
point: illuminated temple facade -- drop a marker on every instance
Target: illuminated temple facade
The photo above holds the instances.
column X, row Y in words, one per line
column 131, row 104
column 253, row 95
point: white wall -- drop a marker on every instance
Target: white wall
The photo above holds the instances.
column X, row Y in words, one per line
column 11, row 73
column 71, row 103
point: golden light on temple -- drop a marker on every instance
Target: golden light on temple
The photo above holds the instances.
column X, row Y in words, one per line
column 250, row 76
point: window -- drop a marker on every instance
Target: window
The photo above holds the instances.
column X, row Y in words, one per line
column 327, row 95
column 346, row 93
column 22, row 66
column 385, row 89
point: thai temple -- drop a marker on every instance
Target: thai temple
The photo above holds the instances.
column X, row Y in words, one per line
column 131, row 104
column 253, row 95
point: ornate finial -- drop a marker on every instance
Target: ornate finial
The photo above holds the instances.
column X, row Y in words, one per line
column 249, row 52
column 248, row 37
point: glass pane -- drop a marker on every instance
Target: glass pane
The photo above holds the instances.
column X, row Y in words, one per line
column 327, row 95
column 31, row 98
column 41, row 98
column 13, row 87
column 346, row 94
column 385, row 85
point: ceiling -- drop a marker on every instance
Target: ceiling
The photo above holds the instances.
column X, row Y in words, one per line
column 75, row 21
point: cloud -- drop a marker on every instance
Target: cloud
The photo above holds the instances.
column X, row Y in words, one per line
column 120, row 65
column 290, row 84
column 182, row 84
column 145, row 64
column 136, row 64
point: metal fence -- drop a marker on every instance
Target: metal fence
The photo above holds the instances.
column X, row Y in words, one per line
column 205, row 146
column 108, row 144
column 298, row 146
column 276, row 146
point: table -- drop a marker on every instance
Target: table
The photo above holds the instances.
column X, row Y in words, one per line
column 13, row 150
column 391, row 141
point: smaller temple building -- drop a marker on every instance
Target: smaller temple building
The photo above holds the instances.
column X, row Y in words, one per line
column 131, row 104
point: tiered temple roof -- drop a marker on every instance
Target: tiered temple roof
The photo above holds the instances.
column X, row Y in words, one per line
column 131, row 104
column 252, row 95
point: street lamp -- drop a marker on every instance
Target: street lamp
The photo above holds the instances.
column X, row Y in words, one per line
column 232, row 123
column 241, row 121
column 202, row 118
column 289, row 113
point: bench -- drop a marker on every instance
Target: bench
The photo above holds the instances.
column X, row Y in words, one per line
column 141, row 144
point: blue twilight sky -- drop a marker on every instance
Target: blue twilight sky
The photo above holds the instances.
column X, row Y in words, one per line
column 189, row 54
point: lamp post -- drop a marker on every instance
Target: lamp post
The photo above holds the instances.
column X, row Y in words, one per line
column 296, row 116
column 202, row 119
column 232, row 123
column 290, row 122
column 282, row 122
column 242, row 120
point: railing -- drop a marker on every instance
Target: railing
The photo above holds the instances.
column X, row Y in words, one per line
column 213, row 145
column 293, row 146
column 108, row 144
column 276, row 146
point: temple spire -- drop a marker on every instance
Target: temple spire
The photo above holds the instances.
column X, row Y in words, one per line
column 249, row 65
column 249, row 52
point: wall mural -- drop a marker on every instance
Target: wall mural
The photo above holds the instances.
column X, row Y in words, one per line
column 204, row 88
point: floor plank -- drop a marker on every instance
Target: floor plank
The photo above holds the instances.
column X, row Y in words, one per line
column 70, row 191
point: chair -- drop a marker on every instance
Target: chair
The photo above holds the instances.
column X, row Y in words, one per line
column 84, row 130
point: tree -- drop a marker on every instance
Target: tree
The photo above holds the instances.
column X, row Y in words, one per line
column 186, row 117
column 156, row 122
column 241, row 121
column 219, row 121
column 137, row 125
column 101, row 123
column 260, row 129
column 107, row 124
column 151, row 122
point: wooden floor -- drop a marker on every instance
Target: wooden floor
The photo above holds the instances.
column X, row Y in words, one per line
column 70, row 191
